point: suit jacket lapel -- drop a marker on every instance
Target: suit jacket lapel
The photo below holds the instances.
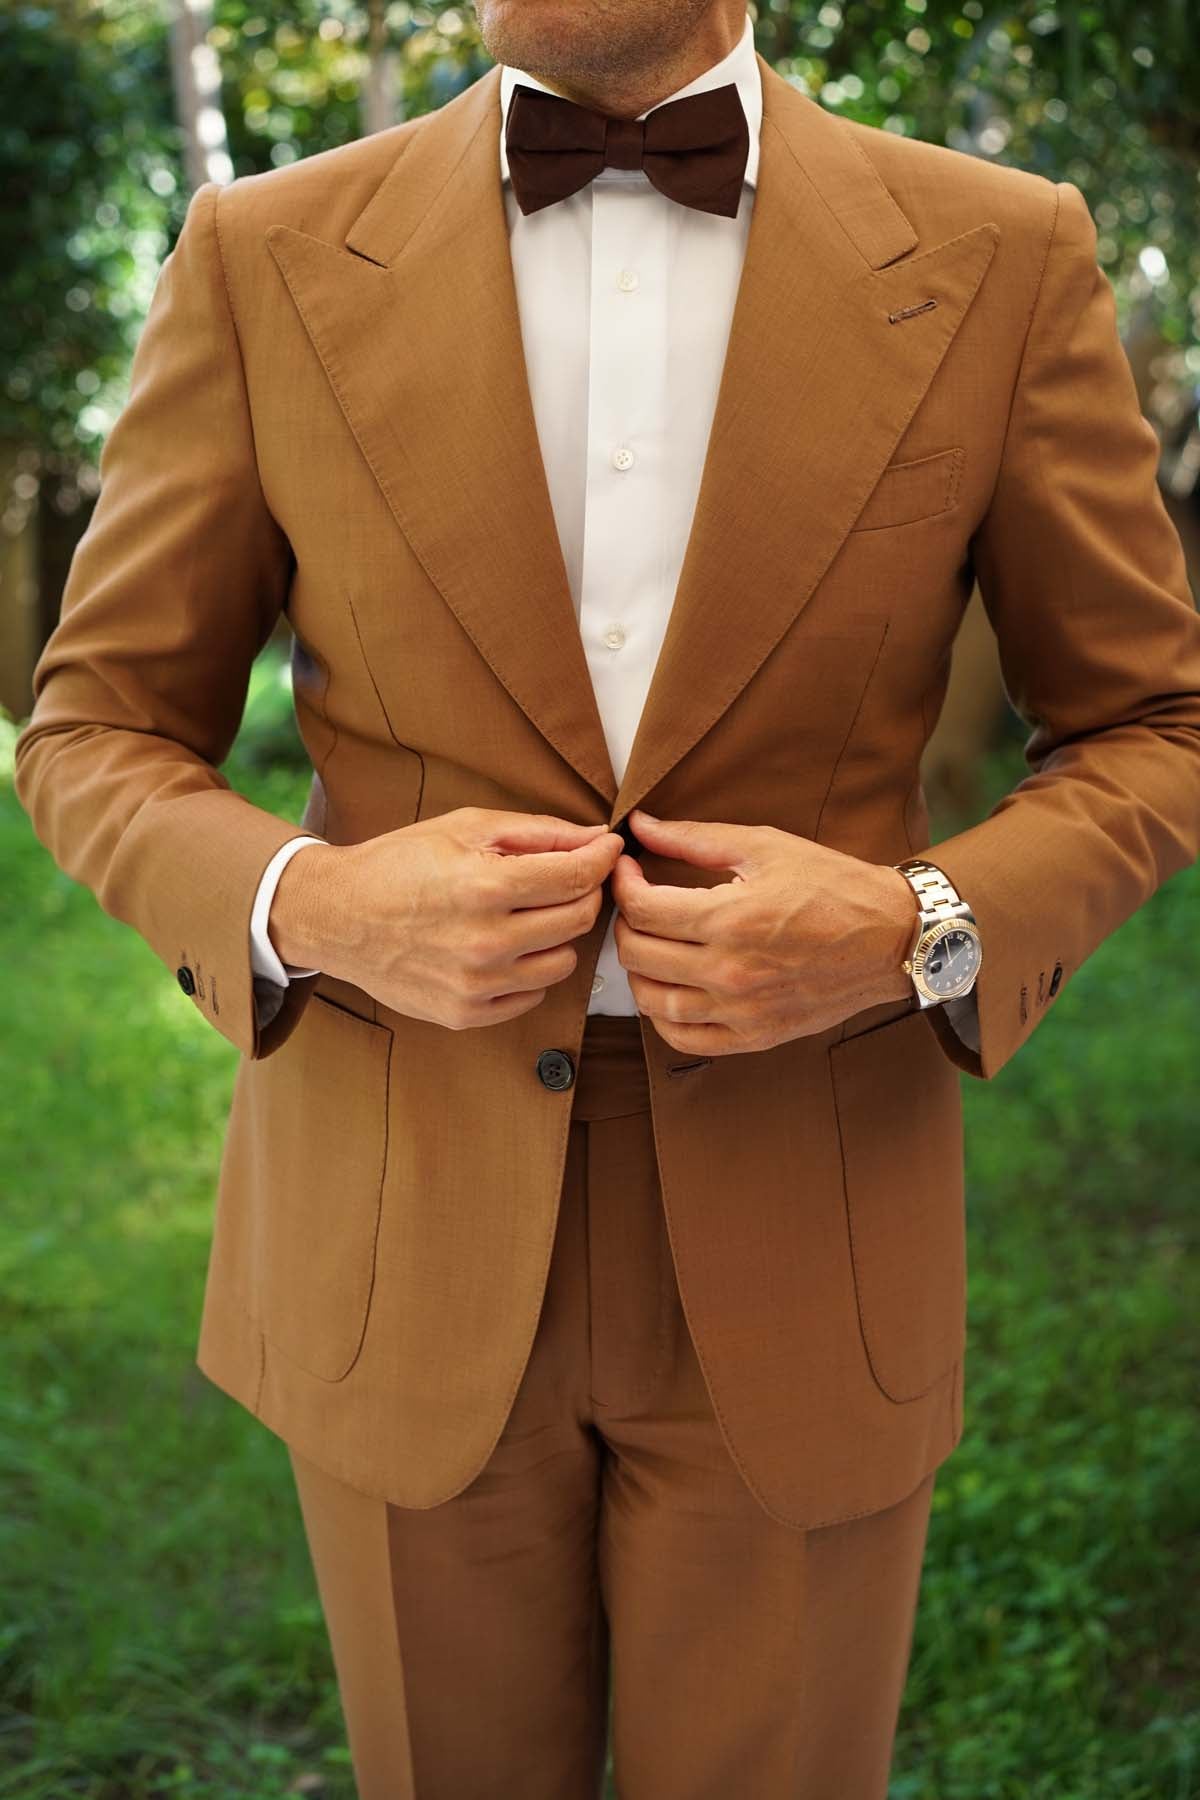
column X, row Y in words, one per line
column 817, row 388
column 415, row 320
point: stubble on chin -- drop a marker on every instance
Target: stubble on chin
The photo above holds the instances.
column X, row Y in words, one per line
column 577, row 45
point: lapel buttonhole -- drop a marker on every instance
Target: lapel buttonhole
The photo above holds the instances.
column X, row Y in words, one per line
column 909, row 312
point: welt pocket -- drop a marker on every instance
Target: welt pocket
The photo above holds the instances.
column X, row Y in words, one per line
column 908, row 491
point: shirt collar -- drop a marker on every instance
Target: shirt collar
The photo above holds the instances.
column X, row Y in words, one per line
column 740, row 67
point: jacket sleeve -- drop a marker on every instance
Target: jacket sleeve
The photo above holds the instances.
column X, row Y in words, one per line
column 1085, row 584
column 172, row 591
column 963, row 1015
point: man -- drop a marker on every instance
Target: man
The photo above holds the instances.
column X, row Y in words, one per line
column 590, row 1214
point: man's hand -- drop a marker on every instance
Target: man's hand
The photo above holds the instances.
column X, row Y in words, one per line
column 464, row 919
column 801, row 937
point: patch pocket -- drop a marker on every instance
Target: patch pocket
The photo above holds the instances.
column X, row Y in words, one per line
column 319, row 1120
column 899, row 1115
column 909, row 491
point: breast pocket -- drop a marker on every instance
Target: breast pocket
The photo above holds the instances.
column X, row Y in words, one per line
column 909, row 491
column 899, row 1115
column 319, row 1124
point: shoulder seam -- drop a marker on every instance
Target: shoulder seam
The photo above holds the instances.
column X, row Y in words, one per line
column 237, row 341
column 229, row 306
column 1033, row 306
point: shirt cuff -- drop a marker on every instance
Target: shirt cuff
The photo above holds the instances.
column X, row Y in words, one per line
column 264, row 957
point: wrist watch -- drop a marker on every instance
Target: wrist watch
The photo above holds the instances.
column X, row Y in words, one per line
column 947, row 950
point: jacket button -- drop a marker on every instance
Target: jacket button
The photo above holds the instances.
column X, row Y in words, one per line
column 555, row 1069
column 1055, row 980
column 186, row 979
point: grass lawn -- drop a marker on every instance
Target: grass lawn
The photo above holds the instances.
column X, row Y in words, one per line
column 159, row 1627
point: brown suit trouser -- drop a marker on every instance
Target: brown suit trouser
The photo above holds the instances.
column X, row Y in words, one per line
column 610, row 1539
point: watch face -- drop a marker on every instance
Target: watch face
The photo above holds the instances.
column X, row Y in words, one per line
column 950, row 965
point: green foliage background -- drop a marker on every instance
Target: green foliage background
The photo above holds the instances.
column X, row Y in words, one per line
column 88, row 166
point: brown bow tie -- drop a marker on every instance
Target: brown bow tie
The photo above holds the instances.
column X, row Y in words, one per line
column 693, row 149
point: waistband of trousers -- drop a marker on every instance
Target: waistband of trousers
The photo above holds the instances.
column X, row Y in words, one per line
column 611, row 1077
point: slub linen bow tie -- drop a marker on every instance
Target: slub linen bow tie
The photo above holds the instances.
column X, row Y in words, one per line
column 693, row 149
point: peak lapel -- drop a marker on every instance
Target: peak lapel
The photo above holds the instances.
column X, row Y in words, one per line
column 817, row 387
column 416, row 324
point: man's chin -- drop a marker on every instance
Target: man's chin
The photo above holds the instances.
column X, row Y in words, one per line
column 521, row 33
column 553, row 41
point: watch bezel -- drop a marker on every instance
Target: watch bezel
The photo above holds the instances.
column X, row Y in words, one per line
column 931, row 935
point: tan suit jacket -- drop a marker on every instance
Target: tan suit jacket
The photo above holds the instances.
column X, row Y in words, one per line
column 330, row 415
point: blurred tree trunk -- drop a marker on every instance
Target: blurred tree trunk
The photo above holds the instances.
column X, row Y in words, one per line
column 380, row 100
column 196, row 75
column 19, row 623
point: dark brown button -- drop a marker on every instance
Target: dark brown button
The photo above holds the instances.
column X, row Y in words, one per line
column 555, row 1069
column 186, row 979
column 1055, row 980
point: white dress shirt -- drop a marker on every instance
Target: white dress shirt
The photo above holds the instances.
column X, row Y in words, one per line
column 625, row 300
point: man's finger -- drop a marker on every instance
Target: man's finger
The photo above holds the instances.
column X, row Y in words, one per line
column 705, row 843
column 670, row 1001
column 661, row 958
column 659, row 908
column 546, row 877
column 515, row 832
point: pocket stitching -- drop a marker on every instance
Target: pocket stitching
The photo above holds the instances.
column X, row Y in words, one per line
column 366, row 1282
column 857, row 1258
column 953, row 457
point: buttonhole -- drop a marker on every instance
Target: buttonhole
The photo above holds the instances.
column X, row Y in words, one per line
column 909, row 312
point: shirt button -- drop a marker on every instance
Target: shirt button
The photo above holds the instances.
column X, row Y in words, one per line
column 597, row 983
column 627, row 280
column 614, row 636
column 622, row 457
